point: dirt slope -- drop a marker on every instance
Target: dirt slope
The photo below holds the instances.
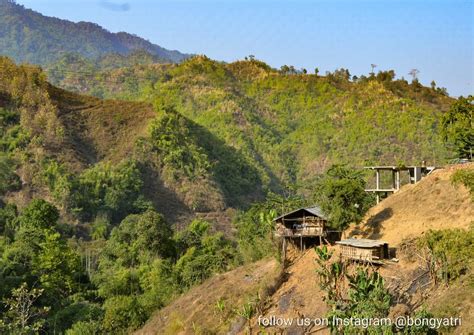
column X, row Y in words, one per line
column 99, row 129
column 196, row 311
column 299, row 296
column 433, row 203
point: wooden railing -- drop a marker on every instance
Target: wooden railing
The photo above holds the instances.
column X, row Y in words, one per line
column 305, row 231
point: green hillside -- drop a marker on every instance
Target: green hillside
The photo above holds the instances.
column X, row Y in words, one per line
column 28, row 36
column 290, row 125
column 183, row 162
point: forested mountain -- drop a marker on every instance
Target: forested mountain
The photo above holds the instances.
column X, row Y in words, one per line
column 28, row 36
column 101, row 199
column 75, row 170
column 289, row 125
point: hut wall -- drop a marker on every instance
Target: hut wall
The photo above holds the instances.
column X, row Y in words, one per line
column 366, row 254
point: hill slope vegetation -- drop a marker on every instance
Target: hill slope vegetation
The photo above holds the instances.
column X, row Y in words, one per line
column 290, row 126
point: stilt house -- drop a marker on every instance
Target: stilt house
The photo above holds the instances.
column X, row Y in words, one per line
column 301, row 226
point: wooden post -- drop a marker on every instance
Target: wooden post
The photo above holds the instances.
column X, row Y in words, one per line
column 398, row 180
column 377, row 179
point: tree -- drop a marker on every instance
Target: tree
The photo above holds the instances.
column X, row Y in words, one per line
column 458, row 127
column 22, row 316
column 123, row 313
column 39, row 214
column 341, row 195
column 414, row 74
column 372, row 66
column 284, row 69
column 57, row 266
column 138, row 236
column 8, row 215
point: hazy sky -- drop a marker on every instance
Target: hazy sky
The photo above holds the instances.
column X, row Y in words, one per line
column 436, row 37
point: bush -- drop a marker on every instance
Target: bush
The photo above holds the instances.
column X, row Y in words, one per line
column 465, row 177
column 449, row 251
column 123, row 314
column 39, row 214
column 8, row 179
column 85, row 328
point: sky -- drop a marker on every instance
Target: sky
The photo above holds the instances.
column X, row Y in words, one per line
column 434, row 36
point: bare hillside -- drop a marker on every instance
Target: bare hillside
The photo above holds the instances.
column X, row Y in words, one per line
column 433, row 203
column 197, row 311
column 299, row 296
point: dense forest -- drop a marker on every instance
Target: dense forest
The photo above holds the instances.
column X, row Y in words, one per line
column 28, row 36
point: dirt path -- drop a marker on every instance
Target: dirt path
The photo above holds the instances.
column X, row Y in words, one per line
column 298, row 297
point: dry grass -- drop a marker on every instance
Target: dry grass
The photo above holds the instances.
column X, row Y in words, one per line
column 97, row 129
column 298, row 297
column 196, row 311
column 433, row 203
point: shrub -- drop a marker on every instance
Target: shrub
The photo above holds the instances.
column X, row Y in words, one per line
column 465, row 177
column 85, row 328
column 449, row 252
column 8, row 178
column 123, row 314
column 39, row 214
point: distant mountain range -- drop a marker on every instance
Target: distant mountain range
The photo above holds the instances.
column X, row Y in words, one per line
column 28, row 36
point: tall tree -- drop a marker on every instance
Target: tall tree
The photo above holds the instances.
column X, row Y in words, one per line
column 341, row 195
column 458, row 127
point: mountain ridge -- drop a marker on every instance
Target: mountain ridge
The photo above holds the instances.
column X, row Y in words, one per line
column 29, row 36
